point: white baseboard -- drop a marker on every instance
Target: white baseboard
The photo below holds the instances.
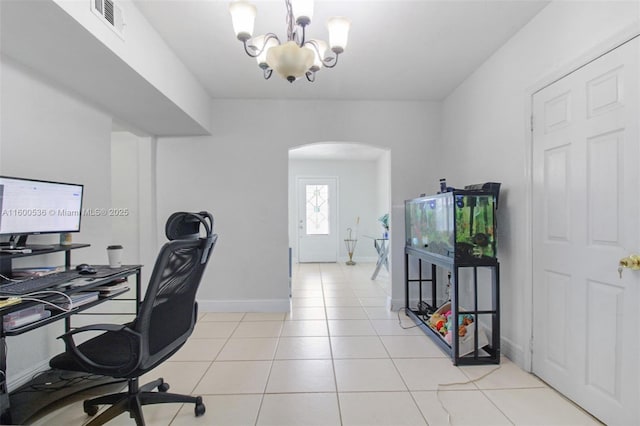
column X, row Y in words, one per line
column 363, row 259
column 514, row 352
column 396, row 304
column 246, row 305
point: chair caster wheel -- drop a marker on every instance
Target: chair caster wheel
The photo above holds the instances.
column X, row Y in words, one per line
column 163, row 387
column 90, row 410
column 200, row 408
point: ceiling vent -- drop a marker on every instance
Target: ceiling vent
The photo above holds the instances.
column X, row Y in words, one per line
column 110, row 13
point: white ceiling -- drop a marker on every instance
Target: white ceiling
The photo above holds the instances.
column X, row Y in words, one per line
column 336, row 151
column 398, row 49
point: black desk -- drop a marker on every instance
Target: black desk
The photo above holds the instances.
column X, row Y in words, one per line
column 11, row 415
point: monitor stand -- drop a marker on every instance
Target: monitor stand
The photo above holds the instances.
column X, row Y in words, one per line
column 21, row 243
column 40, row 247
column 12, row 244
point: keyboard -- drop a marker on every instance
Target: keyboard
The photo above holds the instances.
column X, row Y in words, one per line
column 39, row 283
column 47, row 281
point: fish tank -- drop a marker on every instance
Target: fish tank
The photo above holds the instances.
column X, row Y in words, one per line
column 458, row 225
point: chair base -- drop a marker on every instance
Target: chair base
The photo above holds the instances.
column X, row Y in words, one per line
column 133, row 400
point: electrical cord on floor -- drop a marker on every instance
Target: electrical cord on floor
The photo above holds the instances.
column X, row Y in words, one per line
column 459, row 384
column 400, row 321
column 446, row 384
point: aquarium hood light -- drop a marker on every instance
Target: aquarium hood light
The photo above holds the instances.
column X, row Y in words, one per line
column 297, row 56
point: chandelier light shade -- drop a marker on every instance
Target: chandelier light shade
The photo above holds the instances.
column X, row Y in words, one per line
column 243, row 16
column 302, row 11
column 338, row 33
column 296, row 56
column 319, row 49
column 268, row 43
column 290, row 60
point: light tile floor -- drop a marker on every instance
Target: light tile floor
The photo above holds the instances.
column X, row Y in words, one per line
column 338, row 358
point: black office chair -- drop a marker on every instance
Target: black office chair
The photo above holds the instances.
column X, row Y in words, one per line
column 165, row 319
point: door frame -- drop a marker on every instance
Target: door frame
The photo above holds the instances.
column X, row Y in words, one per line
column 590, row 55
column 337, row 210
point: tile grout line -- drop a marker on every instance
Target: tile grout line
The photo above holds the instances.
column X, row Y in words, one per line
column 333, row 364
column 266, row 383
column 210, row 363
column 496, row 405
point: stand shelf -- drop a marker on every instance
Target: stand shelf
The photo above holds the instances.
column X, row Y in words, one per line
column 483, row 350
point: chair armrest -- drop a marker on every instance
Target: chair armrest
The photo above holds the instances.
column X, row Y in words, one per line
column 94, row 327
column 88, row 363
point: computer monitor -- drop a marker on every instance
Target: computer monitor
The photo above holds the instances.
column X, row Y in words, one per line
column 31, row 206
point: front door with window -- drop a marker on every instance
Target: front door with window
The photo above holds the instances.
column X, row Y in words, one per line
column 317, row 211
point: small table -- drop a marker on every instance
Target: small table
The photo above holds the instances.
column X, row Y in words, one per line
column 382, row 247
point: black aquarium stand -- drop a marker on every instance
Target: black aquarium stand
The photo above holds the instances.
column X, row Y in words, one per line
column 482, row 346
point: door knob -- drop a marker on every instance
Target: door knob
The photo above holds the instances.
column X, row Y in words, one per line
column 630, row 262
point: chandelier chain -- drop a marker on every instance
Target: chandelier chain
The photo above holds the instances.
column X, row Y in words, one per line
column 290, row 30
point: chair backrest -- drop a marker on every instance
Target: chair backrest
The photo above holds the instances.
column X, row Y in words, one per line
column 168, row 311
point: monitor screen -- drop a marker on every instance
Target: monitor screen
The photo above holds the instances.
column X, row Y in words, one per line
column 31, row 206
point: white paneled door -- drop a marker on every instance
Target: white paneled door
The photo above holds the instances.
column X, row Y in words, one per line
column 317, row 218
column 586, row 184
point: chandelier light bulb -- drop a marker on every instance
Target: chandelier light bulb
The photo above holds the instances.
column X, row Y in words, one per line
column 243, row 16
column 302, row 11
column 319, row 54
column 259, row 43
column 338, row 33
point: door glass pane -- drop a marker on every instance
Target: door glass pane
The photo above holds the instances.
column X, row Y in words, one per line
column 317, row 209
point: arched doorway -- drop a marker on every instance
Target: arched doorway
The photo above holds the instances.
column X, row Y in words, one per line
column 362, row 195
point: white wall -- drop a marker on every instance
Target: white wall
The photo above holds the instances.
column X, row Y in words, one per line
column 133, row 189
column 357, row 197
column 240, row 174
column 383, row 174
column 125, row 195
column 47, row 134
column 484, row 127
column 142, row 48
column 383, row 185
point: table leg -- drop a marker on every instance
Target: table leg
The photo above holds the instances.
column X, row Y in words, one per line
column 5, row 413
column 383, row 253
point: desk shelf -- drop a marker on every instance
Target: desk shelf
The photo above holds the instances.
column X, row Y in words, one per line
column 57, row 315
column 6, row 258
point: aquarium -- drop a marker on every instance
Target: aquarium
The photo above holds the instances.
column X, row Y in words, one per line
column 459, row 225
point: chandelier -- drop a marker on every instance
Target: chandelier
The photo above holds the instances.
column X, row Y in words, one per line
column 297, row 56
